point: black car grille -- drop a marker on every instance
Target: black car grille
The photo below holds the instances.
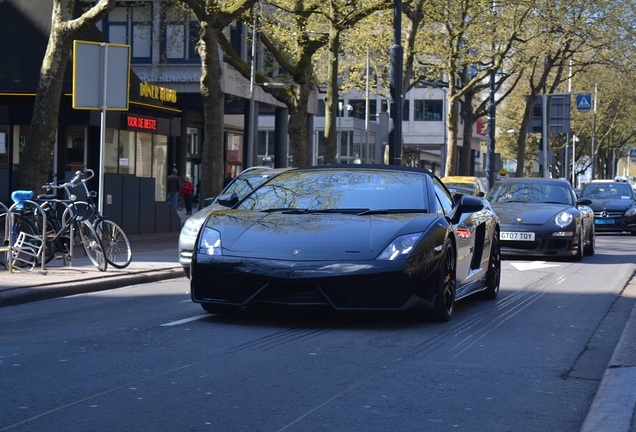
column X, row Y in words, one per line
column 609, row 214
column 546, row 245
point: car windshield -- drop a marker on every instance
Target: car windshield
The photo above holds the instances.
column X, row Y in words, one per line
column 464, row 188
column 341, row 189
column 530, row 193
column 607, row 191
column 245, row 183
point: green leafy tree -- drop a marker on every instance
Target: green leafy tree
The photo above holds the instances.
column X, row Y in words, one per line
column 213, row 16
column 68, row 19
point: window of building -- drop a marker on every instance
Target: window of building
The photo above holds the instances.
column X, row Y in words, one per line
column 110, row 151
column 126, row 152
column 4, row 146
column 75, row 148
column 429, row 110
column 236, row 33
column 144, row 155
column 359, row 108
column 132, row 25
column 179, row 37
column 194, row 144
column 160, row 166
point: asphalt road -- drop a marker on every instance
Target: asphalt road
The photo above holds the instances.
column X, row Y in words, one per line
column 145, row 358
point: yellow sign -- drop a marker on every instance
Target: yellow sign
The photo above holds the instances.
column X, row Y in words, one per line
column 159, row 93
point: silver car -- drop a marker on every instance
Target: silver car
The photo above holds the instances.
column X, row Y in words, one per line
column 243, row 184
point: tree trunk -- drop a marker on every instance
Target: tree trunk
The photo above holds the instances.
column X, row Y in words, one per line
column 522, row 139
column 451, row 142
column 331, row 100
column 297, row 128
column 213, row 149
column 36, row 164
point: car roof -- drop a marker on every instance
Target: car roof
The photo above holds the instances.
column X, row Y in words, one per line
column 533, row 180
column 345, row 167
column 461, row 179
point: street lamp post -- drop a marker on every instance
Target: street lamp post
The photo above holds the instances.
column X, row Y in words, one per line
column 253, row 118
column 396, row 78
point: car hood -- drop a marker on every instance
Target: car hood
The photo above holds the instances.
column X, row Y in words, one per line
column 610, row 204
column 312, row 236
column 527, row 213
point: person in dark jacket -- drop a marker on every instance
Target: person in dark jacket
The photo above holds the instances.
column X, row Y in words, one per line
column 173, row 187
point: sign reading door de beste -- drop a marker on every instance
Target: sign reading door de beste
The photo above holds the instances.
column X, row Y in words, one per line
column 101, row 75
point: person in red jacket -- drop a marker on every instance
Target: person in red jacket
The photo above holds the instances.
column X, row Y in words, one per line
column 187, row 191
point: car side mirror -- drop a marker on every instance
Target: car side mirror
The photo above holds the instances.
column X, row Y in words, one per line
column 584, row 202
column 467, row 204
column 228, row 200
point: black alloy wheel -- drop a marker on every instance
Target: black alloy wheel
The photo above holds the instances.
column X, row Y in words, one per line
column 445, row 296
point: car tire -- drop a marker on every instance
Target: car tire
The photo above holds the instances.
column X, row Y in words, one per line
column 220, row 309
column 445, row 296
column 591, row 242
column 579, row 247
column 493, row 277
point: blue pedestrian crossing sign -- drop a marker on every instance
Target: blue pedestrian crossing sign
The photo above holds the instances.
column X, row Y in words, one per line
column 584, row 102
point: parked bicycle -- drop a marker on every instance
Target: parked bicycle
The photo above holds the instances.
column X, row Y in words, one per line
column 114, row 239
column 31, row 216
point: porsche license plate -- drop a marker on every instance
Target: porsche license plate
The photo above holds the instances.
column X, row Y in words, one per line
column 517, row 236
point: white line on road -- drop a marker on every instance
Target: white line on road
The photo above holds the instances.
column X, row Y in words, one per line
column 534, row 265
column 183, row 321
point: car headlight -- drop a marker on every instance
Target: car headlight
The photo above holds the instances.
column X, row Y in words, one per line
column 210, row 242
column 191, row 227
column 400, row 248
column 563, row 219
column 630, row 212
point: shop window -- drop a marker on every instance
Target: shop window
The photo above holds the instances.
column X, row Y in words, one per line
column 4, row 146
column 144, row 155
column 194, row 144
column 75, row 148
column 110, row 151
column 126, row 152
column 160, row 166
column 19, row 142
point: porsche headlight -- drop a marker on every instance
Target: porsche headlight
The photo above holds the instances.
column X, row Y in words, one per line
column 210, row 242
column 400, row 248
column 630, row 212
column 563, row 219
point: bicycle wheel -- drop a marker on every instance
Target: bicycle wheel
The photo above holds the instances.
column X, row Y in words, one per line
column 92, row 245
column 115, row 241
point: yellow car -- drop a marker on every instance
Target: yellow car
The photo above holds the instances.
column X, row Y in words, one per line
column 465, row 185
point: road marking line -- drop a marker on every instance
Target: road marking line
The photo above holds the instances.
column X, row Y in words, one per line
column 183, row 321
column 534, row 265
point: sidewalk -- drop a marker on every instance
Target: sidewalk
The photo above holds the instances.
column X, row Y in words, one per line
column 155, row 257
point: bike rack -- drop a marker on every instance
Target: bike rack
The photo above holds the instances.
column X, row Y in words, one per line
column 26, row 249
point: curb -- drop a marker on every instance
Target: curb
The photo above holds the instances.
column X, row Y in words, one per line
column 48, row 291
column 614, row 404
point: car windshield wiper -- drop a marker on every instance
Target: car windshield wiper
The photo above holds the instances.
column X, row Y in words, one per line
column 286, row 210
column 291, row 210
column 391, row 211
